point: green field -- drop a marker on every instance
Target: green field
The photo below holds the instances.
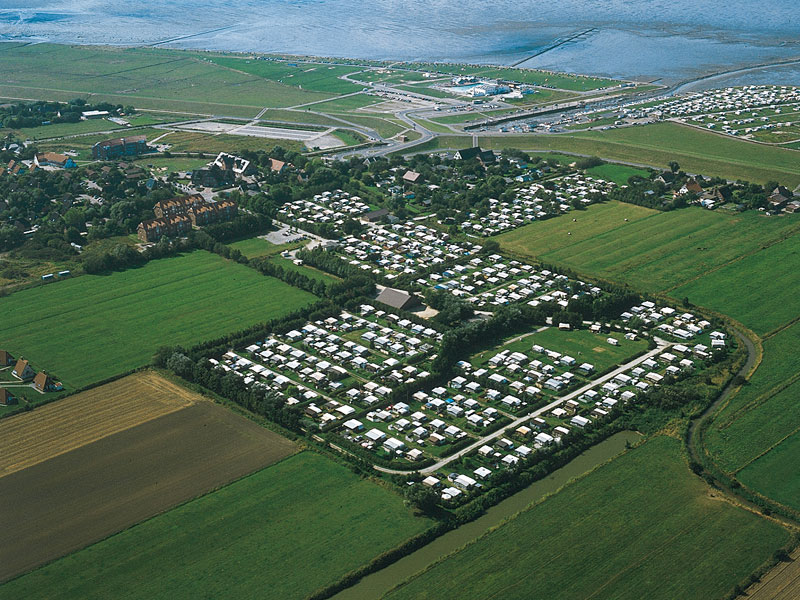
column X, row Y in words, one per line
column 280, row 533
column 144, row 77
column 254, row 247
column 777, row 473
column 585, row 346
column 619, row 174
column 760, row 290
column 307, row 76
column 696, row 150
column 652, row 250
column 92, row 327
column 310, row 272
column 764, row 412
column 638, row 527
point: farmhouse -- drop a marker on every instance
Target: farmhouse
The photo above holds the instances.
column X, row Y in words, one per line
column 6, row 398
column 22, row 370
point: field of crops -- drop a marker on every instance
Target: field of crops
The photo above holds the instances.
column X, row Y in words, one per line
column 104, row 325
column 697, row 151
column 760, row 290
column 652, row 250
column 635, row 528
column 30, row 438
column 280, row 533
column 777, row 473
column 764, row 412
column 86, row 467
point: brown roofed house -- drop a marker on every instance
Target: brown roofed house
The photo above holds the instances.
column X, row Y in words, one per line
column 6, row 359
column 23, row 370
column 6, row 398
column 44, row 383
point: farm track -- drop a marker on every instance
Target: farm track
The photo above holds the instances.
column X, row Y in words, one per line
column 30, row 438
column 91, row 492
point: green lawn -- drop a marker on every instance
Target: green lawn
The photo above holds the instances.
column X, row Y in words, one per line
column 585, row 346
column 638, row 527
column 652, row 250
column 619, row 174
column 760, row 290
column 696, row 150
column 92, row 327
column 764, row 412
column 310, row 272
column 254, row 247
column 280, row 533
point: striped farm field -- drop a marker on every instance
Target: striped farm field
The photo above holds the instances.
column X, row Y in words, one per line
column 79, row 470
column 30, row 438
column 89, row 328
column 652, row 251
column 637, row 527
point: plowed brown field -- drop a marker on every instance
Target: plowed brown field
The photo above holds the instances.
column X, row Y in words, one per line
column 30, row 438
column 135, row 448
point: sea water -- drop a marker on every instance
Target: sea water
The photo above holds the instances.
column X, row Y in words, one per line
column 672, row 40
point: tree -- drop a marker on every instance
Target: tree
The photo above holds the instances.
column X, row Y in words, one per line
column 422, row 497
column 674, row 166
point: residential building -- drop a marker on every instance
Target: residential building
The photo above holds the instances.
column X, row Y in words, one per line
column 120, row 147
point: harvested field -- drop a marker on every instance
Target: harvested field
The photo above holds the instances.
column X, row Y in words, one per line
column 30, row 438
column 781, row 583
column 92, row 491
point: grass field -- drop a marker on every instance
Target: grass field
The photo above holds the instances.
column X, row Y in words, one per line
column 107, row 324
column 696, row 150
column 777, row 473
column 144, row 77
column 763, row 413
column 760, row 290
column 280, row 533
column 585, row 346
column 111, row 457
column 195, row 141
column 619, row 174
column 635, row 528
column 653, row 251
column 256, row 246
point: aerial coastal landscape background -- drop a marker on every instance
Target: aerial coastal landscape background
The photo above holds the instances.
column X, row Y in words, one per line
column 329, row 299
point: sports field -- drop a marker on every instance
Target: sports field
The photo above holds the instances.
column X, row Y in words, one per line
column 92, row 327
column 635, row 528
column 89, row 466
column 696, row 151
column 652, row 250
column 280, row 533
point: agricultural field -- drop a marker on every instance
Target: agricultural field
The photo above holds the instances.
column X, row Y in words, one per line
column 762, row 415
column 86, row 467
column 652, row 250
column 759, row 290
column 655, row 518
column 777, row 473
column 656, row 145
column 108, row 324
column 312, row 518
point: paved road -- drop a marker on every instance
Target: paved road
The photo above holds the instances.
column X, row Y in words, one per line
column 660, row 347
